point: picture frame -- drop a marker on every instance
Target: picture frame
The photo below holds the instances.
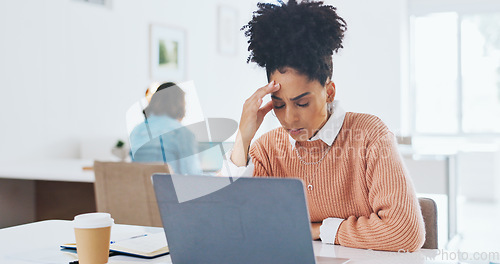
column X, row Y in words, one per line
column 167, row 53
column 227, row 28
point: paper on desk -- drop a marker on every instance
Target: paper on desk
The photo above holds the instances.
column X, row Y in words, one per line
column 131, row 260
column 148, row 244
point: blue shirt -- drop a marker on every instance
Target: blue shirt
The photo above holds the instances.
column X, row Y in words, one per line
column 164, row 139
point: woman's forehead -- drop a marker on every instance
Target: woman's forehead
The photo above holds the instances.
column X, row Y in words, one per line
column 294, row 84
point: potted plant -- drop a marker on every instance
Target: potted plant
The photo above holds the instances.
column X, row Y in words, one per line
column 119, row 150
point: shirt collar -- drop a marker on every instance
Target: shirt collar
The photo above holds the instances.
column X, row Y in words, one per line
column 331, row 128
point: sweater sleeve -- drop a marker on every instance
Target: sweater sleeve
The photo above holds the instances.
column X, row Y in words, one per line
column 396, row 222
column 260, row 160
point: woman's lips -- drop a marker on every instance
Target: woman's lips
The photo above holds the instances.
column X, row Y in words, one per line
column 296, row 131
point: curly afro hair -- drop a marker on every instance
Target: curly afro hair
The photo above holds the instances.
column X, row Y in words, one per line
column 302, row 36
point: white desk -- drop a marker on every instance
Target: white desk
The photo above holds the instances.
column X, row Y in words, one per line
column 67, row 170
column 39, row 243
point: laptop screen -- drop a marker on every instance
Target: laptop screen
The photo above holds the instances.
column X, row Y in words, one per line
column 215, row 220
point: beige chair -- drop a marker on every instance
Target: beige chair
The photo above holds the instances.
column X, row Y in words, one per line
column 429, row 213
column 126, row 192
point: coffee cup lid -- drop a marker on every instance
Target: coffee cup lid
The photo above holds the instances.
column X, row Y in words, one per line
column 93, row 220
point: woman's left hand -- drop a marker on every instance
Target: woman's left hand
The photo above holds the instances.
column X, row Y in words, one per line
column 315, row 230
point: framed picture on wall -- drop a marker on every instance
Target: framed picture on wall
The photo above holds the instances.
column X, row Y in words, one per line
column 227, row 28
column 167, row 53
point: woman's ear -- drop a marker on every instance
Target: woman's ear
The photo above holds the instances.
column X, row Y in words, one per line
column 330, row 91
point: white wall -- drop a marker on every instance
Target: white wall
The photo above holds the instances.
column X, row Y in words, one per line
column 370, row 72
column 69, row 70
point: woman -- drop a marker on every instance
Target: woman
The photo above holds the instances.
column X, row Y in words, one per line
column 161, row 137
column 359, row 194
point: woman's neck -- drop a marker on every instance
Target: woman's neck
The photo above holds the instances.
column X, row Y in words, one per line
column 322, row 124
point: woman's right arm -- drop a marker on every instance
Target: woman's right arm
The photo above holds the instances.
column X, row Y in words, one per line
column 251, row 119
column 237, row 162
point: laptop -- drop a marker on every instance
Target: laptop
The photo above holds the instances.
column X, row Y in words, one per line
column 235, row 220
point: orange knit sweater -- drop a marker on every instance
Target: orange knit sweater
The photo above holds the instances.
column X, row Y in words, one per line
column 361, row 179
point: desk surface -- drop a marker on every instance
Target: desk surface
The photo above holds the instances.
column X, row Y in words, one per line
column 39, row 243
column 70, row 170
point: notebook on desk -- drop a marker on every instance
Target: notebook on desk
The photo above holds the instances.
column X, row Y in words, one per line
column 143, row 245
column 235, row 220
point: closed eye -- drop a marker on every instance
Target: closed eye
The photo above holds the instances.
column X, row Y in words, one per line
column 303, row 105
column 279, row 106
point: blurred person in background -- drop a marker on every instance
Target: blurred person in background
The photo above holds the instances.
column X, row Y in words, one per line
column 162, row 137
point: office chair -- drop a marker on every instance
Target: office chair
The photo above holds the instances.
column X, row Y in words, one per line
column 429, row 213
column 126, row 192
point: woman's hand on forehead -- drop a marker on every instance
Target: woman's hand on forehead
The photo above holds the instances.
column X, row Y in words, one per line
column 265, row 90
column 253, row 114
column 251, row 119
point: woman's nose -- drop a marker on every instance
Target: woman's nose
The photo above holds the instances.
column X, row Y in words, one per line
column 291, row 116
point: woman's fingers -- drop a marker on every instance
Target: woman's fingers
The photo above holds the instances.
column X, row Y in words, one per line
column 263, row 91
column 255, row 101
column 253, row 113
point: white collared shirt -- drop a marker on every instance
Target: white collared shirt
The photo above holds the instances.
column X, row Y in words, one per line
column 328, row 133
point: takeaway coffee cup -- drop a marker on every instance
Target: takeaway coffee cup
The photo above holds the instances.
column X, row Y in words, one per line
column 92, row 233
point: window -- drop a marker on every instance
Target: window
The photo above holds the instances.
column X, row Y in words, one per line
column 481, row 73
column 456, row 73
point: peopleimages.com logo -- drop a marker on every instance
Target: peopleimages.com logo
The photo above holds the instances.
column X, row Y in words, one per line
column 465, row 256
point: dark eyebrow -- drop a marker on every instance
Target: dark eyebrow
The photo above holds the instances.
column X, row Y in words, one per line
column 276, row 97
column 293, row 99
